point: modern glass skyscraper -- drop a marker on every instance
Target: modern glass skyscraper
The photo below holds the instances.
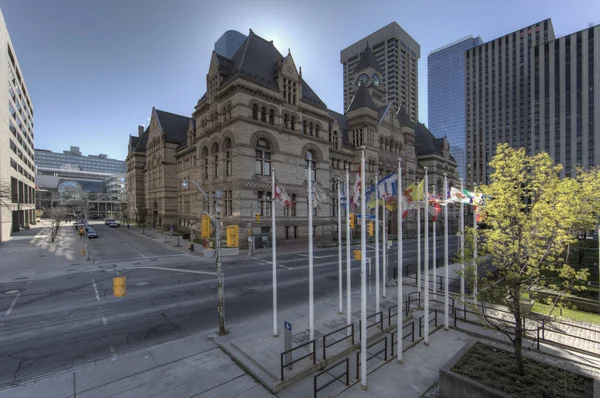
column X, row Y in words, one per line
column 446, row 96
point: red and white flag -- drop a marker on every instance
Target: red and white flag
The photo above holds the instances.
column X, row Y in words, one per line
column 354, row 200
column 282, row 197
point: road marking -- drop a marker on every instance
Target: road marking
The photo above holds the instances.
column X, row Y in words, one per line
column 7, row 313
column 137, row 258
column 104, row 321
column 96, row 290
column 134, row 249
column 114, row 354
column 306, row 255
column 189, row 271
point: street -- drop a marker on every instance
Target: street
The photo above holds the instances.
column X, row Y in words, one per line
column 54, row 324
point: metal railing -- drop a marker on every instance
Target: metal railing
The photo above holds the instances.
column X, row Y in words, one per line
column 450, row 303
column 390, row 315
column 325, row 345
column 377, row 322
column 313, row 354
column 335, row 378
column 404, row 336
column 541, row 337
column 384, row 351
column 421, row 323
column 410, row 299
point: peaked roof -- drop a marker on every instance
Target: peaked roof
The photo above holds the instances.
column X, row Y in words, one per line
column 341, row 119
column 259, row 60
column 426, row 143
column 175, row 126
column 403, row 118
column 367, row 59
column 361, row 99
column 138, row 144
column 381, row 112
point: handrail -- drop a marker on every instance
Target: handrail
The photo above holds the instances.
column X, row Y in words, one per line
column 313, row 354
column 337, row 341
column 384, row 339
column 390, row 315
column 346, row 373
column 428, row 321
column 379, row 322
column 412, row 333
column 409, row 298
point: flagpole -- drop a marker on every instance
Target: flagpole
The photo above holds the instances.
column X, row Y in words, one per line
column 434, row 252
column 400, row 262
column 363, row 280
column 418, row 244
column 348, row 258
column 384, row 242
column 311, row 309
column 462, row 247
column 274, row 246
column 340, row 274
column 376, row 243
column 426, row 262
column 446, row 284
column 474, row 249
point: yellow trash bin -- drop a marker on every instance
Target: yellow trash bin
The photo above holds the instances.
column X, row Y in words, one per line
column 119, row 286
column 357, row 254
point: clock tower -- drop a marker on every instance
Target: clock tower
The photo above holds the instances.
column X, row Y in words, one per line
column 367, row 73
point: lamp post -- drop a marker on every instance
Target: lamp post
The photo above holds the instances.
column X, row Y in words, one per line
column 216, row 218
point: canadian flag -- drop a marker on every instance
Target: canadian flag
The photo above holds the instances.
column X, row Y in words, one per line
column 282, row 197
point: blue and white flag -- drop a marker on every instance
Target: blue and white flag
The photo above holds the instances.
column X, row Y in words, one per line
column 342, row 196
column 388, row 186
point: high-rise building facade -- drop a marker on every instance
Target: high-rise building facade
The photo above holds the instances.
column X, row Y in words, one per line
column 498, row 87
column 532, row 90
column 74, row 159
column 446, row 96
column 397, row 56
column 229, row 43
column 17, row 186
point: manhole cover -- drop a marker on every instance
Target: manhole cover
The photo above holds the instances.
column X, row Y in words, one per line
column 244, row 291
column 142, row 283
column 12, row 291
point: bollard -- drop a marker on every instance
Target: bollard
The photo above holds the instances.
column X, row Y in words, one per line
column 119, row 286
column 191, row 247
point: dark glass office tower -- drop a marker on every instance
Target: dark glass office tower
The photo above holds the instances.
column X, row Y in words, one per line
column 446, row 96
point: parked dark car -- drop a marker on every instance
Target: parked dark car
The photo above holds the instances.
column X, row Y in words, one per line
column 91, row 233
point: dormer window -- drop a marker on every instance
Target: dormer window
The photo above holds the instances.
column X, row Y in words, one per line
column 289, row 91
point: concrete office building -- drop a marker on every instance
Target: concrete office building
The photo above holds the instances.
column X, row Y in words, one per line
column 98, row 163
column 531, row 90
column 17, row 186
column 446, row 96
column 229, row 43
column 396, row 57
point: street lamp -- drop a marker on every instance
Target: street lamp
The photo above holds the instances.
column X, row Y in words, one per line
column 216, row 218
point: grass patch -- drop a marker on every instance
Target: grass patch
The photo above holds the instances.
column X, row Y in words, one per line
column 575, row 315
column 496, row 369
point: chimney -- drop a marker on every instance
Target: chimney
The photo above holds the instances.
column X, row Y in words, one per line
column 140, row 131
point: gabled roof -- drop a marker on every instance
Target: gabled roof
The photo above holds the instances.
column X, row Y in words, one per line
column 341, row 119
column 381, row 112
column 403, row 118
column 308, row 95
column 426, row 143
column 362, row 99
column 175, row 126
column 139, row 143
column 367, row 59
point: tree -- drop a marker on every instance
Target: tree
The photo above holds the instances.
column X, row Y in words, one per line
column 533, row 218
column 57, row 214
column 5, row 195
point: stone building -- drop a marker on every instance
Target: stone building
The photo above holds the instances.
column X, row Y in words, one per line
column 258, row 114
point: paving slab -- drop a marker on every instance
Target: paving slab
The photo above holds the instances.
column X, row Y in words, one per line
column 60, row 386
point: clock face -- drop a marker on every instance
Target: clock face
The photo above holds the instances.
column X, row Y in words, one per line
column 362, row 79
column 376, row 80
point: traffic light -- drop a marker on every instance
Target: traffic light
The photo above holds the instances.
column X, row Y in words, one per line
column 351, row 221
column 257, row 218
column 371, row 228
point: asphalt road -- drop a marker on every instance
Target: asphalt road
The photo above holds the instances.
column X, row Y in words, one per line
column 52, row 325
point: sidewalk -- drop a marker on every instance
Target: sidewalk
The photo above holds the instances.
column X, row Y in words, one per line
column 32, row 255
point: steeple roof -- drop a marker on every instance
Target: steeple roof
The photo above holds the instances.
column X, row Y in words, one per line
column 403, row 118
column 362, row 99
column 367, row 59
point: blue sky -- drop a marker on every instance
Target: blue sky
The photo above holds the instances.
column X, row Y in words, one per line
column 94, row 69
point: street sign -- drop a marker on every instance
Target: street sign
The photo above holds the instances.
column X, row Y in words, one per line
column 368, row 216
column 287, row 341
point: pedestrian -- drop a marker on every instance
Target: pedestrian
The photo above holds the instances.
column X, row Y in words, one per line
column 81, row 233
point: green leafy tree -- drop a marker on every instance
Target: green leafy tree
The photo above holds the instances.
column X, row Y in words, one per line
column 534, row 216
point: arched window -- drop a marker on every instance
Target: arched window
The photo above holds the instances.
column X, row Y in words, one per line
column 263, row 114
column 255, row 112
column 215, row 151
column 311, row 164
column 228, row 112
column 335, row 140
column 205, row 162
column 262, row 165
column 317, row 128
column 272, row 116
column 310, row 128
column 304, row 123
column 227, row 147
column 285, row 120
column 293, row 123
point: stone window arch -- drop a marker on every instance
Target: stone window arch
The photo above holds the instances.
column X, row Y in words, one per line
column 335, row 142
column 317, row 130
column 255, row 112
column 228, row 110
column 262, row 163
column 285, row 120
column 310, row 128
column 215, row 152
column 293, row 123
column 205, row 162
column 263, row 114
column 304, row 126
column 272, row 116
column 227, row 149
